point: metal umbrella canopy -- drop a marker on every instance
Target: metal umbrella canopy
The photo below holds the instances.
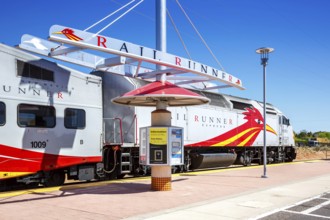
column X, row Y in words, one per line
column 165, row 92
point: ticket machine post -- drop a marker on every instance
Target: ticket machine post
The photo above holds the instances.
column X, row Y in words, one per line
column 161, row 147
column 165, row 150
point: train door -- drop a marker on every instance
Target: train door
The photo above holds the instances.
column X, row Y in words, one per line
column 284, row 138
column 280, row 135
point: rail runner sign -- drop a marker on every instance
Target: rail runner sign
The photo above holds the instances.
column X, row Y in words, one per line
column 86, row 40
column 122, row 52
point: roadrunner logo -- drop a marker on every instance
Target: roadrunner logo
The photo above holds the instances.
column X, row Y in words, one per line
column 243, row 135
column 69, row 33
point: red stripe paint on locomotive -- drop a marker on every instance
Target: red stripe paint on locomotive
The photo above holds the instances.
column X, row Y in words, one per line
column 21, row 160
column 243, row 135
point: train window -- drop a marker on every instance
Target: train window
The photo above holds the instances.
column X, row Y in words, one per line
column 36, row 116
column 286, row 121
column 32, row 71
column 2, row 113
column 74, row 118
column 241, row 105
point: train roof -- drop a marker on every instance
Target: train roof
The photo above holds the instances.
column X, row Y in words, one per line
column 217, row 99
column 236, row 102
column 44, row 63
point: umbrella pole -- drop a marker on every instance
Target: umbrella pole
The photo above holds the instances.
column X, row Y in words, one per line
column 161, row 175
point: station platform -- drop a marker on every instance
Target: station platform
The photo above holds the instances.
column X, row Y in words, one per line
column 234, row 193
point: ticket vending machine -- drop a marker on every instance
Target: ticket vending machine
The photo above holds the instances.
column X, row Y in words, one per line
column 161, row 146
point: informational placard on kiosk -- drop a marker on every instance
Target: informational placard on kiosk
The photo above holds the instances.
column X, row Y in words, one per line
column 177, row 146
column 158, row 139
column 161, row 146
column 143, row 146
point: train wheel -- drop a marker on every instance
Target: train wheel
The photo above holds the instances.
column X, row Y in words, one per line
column 289, row 159
column 9, row 184
column 245, row 159
column 121, row 176
column 55, row 178
column 32, row 185
column 290, row 156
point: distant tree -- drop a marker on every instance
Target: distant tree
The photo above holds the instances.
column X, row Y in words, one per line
column 305, row 135
column 323, row 134
column 310, row 134
column 302, row 134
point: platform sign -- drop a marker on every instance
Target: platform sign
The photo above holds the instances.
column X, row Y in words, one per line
column 87, row 40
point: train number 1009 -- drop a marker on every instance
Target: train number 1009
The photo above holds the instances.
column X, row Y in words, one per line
column 38, row 144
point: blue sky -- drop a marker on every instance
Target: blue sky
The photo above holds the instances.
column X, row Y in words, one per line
column 298, row 74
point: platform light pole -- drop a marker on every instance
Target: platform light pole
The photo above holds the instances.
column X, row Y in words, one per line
column 264, row 51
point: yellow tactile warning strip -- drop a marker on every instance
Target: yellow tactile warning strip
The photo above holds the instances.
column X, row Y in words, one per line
column 102, row 183
column 161, row 183
column 5, row 175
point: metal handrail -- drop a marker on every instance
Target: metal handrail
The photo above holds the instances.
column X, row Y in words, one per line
column 114, row 130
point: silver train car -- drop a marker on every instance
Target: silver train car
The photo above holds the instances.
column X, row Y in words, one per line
column 57, row 123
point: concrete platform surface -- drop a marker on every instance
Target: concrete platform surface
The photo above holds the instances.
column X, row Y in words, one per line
column 237, row 193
